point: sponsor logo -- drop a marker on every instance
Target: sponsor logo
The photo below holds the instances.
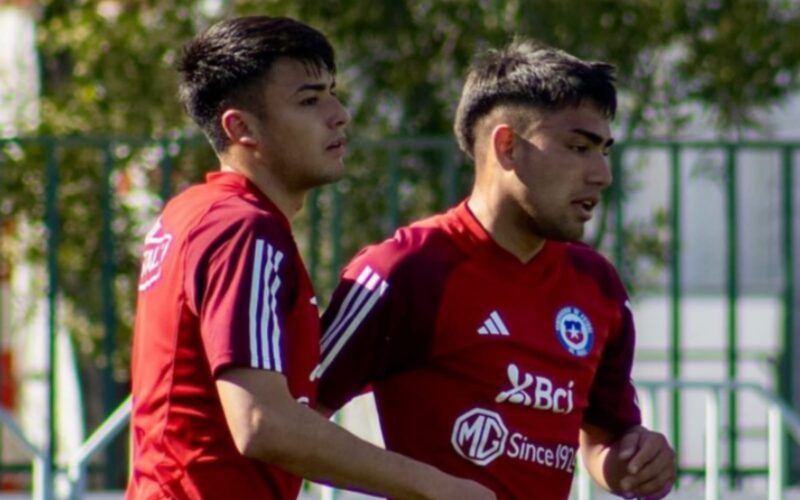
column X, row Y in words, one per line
column 480, row 436
column 538, row 392
column 574, row 331
column 493, row 325
column 156, row 246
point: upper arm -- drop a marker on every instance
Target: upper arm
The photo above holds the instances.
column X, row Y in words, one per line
column 241, row 283
column 252, row 400
column 382, row 316
column 356, row 327
column 613, row 402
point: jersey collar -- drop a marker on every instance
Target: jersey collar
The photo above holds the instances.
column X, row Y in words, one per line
column 479, row 241
column 242, row 184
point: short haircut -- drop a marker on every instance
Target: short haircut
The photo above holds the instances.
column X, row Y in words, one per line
column 223, row 66
column 530, row 74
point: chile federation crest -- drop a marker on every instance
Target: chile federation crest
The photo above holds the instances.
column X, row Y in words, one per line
column 574, row 331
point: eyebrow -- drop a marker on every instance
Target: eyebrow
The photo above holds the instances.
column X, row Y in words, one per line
column 317, row 87
column 594, row 138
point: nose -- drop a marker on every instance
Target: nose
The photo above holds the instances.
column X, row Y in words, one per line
column 339, row 115
column 599, row 173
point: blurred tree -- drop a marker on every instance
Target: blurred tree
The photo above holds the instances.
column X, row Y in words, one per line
column 107, row 71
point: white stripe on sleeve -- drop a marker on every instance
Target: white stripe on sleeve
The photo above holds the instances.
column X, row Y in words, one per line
column 359, row 314
column 254, row 302
column 363, row 286
column 342, row 312
column 276, row 326
column 265, row 311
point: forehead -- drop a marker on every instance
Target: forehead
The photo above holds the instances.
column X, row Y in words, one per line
column 290, row 75
column 585, row 116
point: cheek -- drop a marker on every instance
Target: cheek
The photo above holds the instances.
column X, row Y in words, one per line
column 545, row 198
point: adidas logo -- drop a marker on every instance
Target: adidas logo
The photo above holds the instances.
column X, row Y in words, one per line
column 493, row 325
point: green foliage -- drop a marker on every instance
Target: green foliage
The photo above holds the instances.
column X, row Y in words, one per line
column 107, row 70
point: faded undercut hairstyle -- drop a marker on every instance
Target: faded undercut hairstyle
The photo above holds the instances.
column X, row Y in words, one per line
column 529, row 74
column 225, row 65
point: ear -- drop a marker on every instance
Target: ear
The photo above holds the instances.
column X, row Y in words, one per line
column 236, row 125
column 503, row 145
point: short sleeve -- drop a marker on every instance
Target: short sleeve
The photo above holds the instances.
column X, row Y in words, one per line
column 357, row 327
column 613, row 404
column 242, row 283
column 382, row 316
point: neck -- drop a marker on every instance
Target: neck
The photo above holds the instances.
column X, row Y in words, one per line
column 287, row 201
column 502, row 220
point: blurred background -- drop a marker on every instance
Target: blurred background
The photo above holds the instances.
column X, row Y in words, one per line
column 702, row 221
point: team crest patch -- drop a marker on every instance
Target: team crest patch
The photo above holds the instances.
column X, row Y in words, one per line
column 574, row 331
column 156, row 246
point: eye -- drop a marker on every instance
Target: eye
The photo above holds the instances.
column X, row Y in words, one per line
column 579, row 148
column 309, row 101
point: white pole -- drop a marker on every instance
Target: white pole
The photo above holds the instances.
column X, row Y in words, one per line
column 712, row 445
column 326, row 493
column 647, row 404
column 585, row 489
column 775, row 453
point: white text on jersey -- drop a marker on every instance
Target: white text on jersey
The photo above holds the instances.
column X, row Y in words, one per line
column 545, row 396
column 481, row 437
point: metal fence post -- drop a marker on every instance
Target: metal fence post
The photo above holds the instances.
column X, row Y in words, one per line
column 336, row 234
column 733, row 293
column 314, row 222
column 617, row 197
column 45, row 466
column 791, row 350
column 167, row 166
column 393, row 194
column 675, row 294
column 108, row 274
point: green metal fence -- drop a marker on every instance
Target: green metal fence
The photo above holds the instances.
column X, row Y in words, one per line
column 53, row 182
column 787, row 373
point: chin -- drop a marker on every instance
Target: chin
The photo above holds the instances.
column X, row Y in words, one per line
column 566, row 234
column 325, row 178
column 334, row 174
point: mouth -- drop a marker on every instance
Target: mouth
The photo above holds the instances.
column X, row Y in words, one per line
column 339, row 146
column 585, row 206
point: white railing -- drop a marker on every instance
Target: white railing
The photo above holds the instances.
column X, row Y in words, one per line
column 781, row 417
column 108, row 430
column 42, row 476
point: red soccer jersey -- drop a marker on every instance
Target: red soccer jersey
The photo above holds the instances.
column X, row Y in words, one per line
column 482, row 365
column 222, row 285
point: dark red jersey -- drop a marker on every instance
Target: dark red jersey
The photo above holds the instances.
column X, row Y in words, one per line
column 222, row 285
column 480, row 364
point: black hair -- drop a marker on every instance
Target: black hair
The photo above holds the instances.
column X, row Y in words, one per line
column 527, row 73
column 222, row 66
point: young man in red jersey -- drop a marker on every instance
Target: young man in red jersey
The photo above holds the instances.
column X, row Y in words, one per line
column 227, row 328
column 496, row 344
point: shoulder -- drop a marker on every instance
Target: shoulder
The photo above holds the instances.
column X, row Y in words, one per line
column 415, row 249
column 589, row 262
column 227, row 223
column 234, row 215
